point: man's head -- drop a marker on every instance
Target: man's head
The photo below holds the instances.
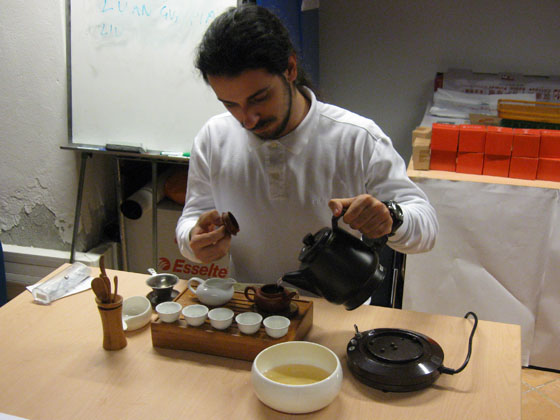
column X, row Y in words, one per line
column 248, row 37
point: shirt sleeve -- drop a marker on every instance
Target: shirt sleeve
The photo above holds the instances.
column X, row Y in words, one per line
column 387, row 180
column 198, row 198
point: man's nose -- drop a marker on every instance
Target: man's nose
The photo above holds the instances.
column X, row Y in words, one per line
column 250, row 118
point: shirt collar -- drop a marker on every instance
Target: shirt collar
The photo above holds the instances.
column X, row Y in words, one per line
column 295, row 140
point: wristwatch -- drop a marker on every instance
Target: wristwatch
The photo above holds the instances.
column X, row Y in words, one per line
column 396, row 214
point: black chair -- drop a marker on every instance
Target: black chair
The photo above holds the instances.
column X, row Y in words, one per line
column 390, row 293
column 3, row 287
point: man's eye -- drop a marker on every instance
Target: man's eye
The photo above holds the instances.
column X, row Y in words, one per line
column 259, row 99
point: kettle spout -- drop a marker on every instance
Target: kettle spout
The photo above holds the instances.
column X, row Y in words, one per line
column 300, row 279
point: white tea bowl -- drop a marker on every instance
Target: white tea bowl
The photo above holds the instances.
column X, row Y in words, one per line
column 220, row 318
column 195, row 315
column 276, row 326
column 169, row 311
column 136, row 312
column 296, row 398
column 248, row 322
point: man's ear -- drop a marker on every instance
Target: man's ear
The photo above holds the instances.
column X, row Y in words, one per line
column 291, row 71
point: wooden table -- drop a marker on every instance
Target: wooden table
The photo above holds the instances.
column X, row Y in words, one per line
column 53, row 366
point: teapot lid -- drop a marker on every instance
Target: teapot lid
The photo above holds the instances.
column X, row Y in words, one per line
column 313, row 243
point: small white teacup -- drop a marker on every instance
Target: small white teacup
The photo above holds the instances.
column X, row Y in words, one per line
column 276, row 326
column 248, row 322
column 220, row 318
column 195, row 314
column 169, row 311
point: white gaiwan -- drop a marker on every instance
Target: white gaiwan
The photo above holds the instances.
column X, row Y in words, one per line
column 296, row 399
column 214, row 291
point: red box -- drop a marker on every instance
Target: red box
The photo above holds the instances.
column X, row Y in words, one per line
column 526, row 142
column 550, row 144
column 445, row 137
column 470, row 163
column 495, row 165
column 549, row 169
column 498, row 141
column 442, row 160
column 523, row 167
column 472, row 138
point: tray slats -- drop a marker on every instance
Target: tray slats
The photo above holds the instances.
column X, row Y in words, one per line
column 230, row 342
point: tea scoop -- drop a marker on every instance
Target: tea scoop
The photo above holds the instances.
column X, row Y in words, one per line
column 231, row 225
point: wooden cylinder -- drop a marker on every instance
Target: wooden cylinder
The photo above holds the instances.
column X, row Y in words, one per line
column 111, row 319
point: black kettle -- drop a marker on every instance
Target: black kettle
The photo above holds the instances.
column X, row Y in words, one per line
column 338, row 266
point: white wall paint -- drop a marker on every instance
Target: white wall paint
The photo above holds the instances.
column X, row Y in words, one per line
column 379, row 57
column 34, row 171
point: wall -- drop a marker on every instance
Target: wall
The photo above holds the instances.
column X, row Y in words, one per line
column 379, row 58
column 39, row 181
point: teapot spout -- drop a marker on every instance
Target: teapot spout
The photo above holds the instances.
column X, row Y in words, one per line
column 301, row 279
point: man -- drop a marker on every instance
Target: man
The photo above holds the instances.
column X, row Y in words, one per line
column 279, row 159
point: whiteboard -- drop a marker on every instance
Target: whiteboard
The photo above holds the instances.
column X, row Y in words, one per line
column 132, row 75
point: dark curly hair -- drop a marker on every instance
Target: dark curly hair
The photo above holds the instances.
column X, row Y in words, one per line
column 243, row 38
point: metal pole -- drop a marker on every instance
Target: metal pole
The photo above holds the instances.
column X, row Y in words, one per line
column 154, row 216
column 78, row 211
column 122, row 232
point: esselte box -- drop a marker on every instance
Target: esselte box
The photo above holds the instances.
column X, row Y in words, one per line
column 472, row 138
column 441, row 160
column 549, row 169
column 170, row 260
column 550, row 144
column 523, row 167
column 526, row 142
column 445, row 137
column 495, row 165
column 470, row 163
column 499, row 141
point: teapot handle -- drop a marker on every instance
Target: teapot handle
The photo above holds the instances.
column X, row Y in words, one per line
column 375, row 244
column 194, row 279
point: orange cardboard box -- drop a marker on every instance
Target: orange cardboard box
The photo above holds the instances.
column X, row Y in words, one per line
column 523, row 167
column 550, row 144
column 470, row 163
column 496, row 165
column 441, row 160
column 526, row 142
column 549, row 169
column 472, row 138
column 498, row 141
column 445, row 137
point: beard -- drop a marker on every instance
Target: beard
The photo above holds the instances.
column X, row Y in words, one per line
column 279, row 130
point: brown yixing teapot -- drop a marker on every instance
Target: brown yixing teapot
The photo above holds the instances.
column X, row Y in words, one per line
column 338, row 266
column 270, row 298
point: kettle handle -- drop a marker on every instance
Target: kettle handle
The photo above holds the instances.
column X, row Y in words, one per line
column 375, row 244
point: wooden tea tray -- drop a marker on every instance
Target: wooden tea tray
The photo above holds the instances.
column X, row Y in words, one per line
column 229, row 342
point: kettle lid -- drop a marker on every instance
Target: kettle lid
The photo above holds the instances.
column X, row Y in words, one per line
column 314, row 243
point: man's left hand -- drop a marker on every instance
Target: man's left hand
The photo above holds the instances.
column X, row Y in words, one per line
column 364, row 213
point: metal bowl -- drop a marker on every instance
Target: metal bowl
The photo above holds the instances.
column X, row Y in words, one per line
column 162, row 281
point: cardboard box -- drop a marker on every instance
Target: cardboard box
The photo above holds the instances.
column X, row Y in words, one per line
column 523, row 168
column 526, row 142
column 170, row 260
column 550, row 144
column 470, row 163
column 445, row 137
column 549, row 169
column 422, row 132
column 496, row 165
column 499, row 141
column 421, row 154
column 472, row 138
column 441, row 160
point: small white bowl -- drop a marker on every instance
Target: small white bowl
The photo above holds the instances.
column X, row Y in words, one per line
column 169, row 311
column 276, row 326
column 136, row 312
column 220, row 318
column 296, row 398
column 195, row 314
column 249, row 322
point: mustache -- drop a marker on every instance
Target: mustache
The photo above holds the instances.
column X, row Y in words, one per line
column 262, row 123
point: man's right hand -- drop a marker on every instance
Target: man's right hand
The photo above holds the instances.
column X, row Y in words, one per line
column 209, row 239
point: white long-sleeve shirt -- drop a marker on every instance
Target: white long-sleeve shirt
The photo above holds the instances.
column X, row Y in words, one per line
column 278, row 190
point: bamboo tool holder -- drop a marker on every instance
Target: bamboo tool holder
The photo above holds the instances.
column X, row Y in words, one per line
column 111, row 320
column 230, row 342
column 545, row 112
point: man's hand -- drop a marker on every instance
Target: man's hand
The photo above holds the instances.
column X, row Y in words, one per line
column 209, row 240
column 364, row 213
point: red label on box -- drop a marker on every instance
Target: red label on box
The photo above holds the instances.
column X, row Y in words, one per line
column 441, row 160
column 496, row 165
column 523, row 168
column 470, row 163
column 499, row 141
column 550, row 144
column 526, row 142
column 444, row 137
column 472, row 138
column 549, row 170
